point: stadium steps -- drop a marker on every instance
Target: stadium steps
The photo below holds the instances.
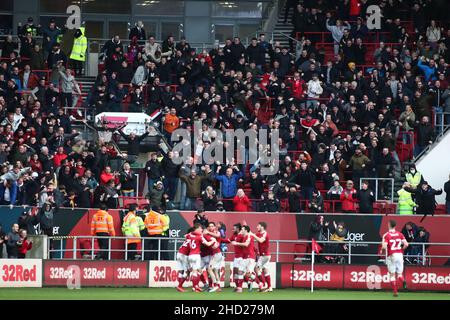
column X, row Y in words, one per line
column 86, row 83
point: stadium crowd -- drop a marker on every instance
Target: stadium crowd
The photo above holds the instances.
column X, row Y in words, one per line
column 339, row 121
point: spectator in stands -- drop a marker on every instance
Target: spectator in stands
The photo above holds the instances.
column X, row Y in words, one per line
column 269, row 203
column 334, row 193
column 241, row 203
column 134, row 143
column 229, row 184
column 425, row 135
column 337, row 32
column 8, row 192
column 433, row 34
column 294, row 199
column 305, row 180
column 348, row 198
column 171, row 123
column 50, row 36
column 156, row 194
column 209, row 199
column 317, row 229
column 407, row 121
column 128, row 181
column 316, row 203
column 425, row 199
column 170, row 170
column 419, row 250
column 24, row 245
column 3, row 240
column 193, row 188
column 358, row 163
column 138, row 32
column 13, row 240
column 447, row 196
column 153, row 170
column 55, row 60
column 8, row 47
column 366, row 198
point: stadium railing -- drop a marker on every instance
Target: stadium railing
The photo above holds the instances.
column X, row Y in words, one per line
column 84, row 247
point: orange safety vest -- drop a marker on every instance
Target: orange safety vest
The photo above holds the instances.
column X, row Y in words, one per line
column 102, row 222
column 153, row 223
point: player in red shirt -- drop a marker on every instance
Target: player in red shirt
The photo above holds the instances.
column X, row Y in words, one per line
column 196, row 239
column 237, row 251
column 182, row 261
column 243, row 241
column 394, row 243
column 262, row 271
column 217, row 257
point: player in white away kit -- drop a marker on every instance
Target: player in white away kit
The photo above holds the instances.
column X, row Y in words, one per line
column 395, row 243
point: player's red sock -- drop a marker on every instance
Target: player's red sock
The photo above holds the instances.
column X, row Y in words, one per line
column 257, row 280
column 394, row 286
column 195, row 280
column 210, row 282
column 181, row 280
column 240, row 282
column 202, row 278
column 401, row 279
column 267, row 277
column 246, row 278
column 261, row 279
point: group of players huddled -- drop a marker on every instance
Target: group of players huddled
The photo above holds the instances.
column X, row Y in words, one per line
column 202, row 251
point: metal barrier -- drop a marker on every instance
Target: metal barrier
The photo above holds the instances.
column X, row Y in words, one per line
column 441, row 122
column 377, row 184
column 282, row 248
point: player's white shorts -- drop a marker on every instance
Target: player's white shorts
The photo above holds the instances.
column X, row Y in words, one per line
column 195, row 262
column 237, row 263
column 395, row 263
column 205, row 262
column 250, row 264
column 263, row 262
column 216, row 261
column 182, row 262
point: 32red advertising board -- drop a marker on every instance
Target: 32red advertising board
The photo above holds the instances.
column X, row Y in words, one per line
column 96, row 273
column 373, row 277
column 428, row 278
column 300, row 276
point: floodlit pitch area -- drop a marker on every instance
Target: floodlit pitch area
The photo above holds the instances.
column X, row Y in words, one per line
column 227, row 294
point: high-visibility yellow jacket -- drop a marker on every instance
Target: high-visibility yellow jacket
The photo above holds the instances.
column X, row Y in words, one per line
column 405, row 202
column 79, row 47
column 165, row 219
column 130, row 228
column 415, row 179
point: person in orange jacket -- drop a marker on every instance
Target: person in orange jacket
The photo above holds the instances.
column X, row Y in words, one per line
column 102, row 225
column 171, row 121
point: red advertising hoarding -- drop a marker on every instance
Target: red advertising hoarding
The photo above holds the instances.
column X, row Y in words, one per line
column 373, row 277
column 96, row 273
column 428, row 278
column 300, row 276
column 366, row 277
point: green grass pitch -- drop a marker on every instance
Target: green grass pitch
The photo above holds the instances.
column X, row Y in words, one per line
column 171, row 294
